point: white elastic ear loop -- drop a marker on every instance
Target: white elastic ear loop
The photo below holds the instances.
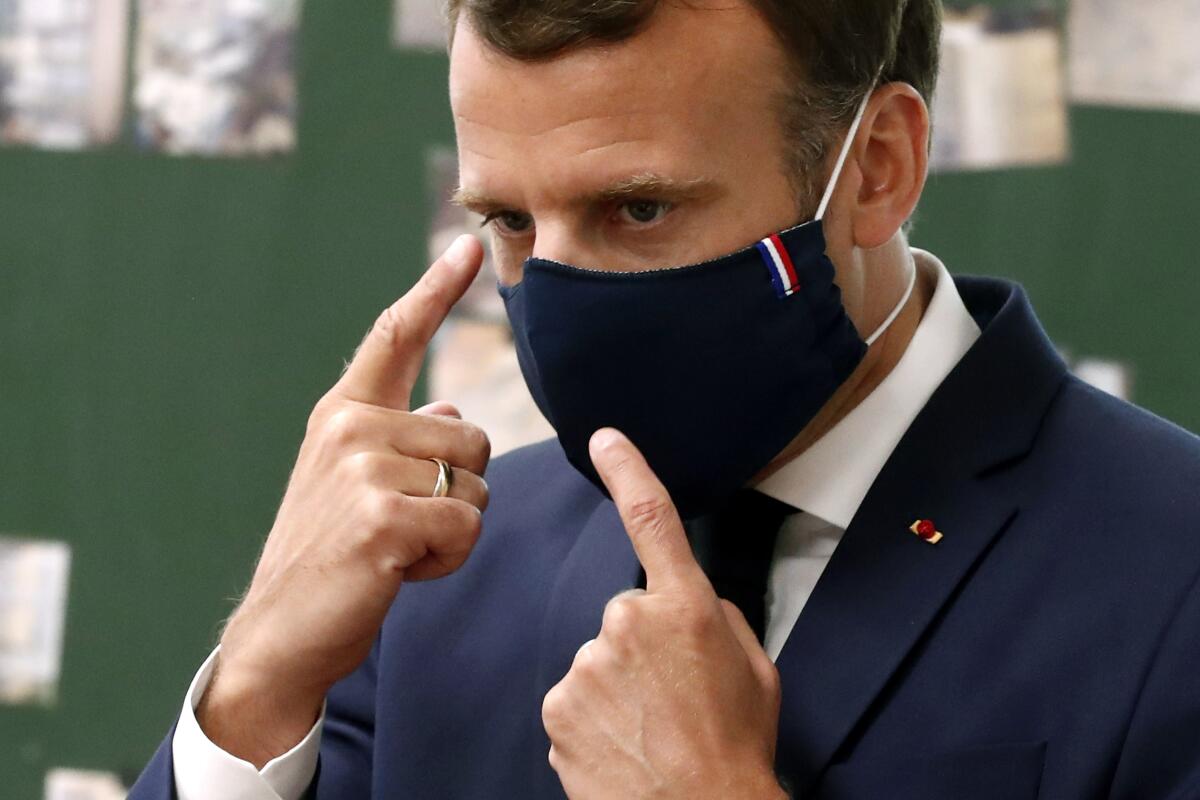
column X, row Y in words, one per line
column 912, row 282
column 837, row 173
column 841, row 162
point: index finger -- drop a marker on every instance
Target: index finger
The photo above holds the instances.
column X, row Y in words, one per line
column 387, row 363
column 649, row 516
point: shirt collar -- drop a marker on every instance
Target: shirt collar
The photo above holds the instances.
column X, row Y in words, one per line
column 830, row 479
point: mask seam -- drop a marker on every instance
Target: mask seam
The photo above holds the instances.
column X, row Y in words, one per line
column 661, row 270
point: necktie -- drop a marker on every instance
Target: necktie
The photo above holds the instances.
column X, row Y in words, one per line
column 734, row 546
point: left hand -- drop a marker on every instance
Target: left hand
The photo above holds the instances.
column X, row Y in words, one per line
column 675, row 698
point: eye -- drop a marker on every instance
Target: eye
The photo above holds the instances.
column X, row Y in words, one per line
column 643, row 212
column 509, row 222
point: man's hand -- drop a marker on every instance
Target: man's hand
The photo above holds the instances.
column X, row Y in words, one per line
column 675, row 698
column 356, row 520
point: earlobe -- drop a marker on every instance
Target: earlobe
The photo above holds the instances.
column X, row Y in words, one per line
column 892, row 161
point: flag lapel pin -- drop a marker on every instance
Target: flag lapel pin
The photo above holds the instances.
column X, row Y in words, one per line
column 925, row 529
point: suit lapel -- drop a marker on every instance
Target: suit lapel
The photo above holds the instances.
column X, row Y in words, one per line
column 600, row 563
column 884, row 586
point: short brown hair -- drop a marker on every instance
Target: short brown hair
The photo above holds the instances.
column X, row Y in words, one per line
column 838, row 48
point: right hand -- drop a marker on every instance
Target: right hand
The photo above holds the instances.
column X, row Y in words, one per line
column 357, row 519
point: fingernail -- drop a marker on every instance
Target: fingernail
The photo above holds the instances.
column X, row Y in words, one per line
column 456, row 254
column 605, row 438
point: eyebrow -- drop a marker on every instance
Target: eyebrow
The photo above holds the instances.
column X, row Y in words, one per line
column 645, row 184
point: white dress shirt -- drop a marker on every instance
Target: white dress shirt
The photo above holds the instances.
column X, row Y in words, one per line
column 828, row 481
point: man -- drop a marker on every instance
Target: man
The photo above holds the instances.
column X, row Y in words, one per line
column 1006, row 604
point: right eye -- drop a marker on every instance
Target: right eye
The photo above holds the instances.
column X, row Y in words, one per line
column 509, row 223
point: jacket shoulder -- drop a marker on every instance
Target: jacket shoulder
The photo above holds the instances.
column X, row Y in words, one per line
column 1128, row 437
column 1124, row 463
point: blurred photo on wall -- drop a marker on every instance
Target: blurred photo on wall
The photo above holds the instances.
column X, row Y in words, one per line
column 1001, row 98
column 62, row 72
column 419, row 25
column 216, row 77
column 33, row 600
column 1144, row 54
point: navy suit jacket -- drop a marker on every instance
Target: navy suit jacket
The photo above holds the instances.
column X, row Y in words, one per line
column 1048, row 647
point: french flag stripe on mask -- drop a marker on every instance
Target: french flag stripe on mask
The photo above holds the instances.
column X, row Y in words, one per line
column 779, row 264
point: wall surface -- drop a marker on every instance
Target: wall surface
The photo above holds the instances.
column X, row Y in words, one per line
column 166, row 324
column 165, row 327
column 1106, row 245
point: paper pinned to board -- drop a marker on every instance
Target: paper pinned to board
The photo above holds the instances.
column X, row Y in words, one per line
column 216, row 77
column 419, row 25
column 1144, row 54
column 62, row 72
column 1107, row 375
column 33, row 602
column 1001, row 95
column 78, row 784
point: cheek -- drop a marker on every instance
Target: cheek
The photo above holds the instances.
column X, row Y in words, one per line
column 849, row 274
column 507, row 260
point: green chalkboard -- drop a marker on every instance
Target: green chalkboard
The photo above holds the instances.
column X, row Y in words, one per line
column 165, row 326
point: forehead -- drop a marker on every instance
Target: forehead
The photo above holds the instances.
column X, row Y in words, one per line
column 696, row 83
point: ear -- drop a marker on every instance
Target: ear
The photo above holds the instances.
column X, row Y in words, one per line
column 893, row 159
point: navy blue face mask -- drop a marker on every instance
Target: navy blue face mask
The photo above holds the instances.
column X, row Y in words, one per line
column 710, row 369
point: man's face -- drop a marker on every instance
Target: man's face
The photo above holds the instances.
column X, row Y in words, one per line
column 662, row 150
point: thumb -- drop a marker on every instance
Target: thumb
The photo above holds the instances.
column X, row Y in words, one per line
column 650, row 518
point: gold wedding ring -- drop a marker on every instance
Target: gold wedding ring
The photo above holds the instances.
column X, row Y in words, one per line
column 445, row 477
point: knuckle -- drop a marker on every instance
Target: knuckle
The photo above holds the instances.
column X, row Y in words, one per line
column 476, row 446
column 383, row 511
column 650, row 514
column 343, row 427
column 362, row 467
column 466, row 518
column 320, row 412
column 479, row 442
column 472, row 528
column 698, row 621
column 460, row 526
column 477, row 491
column 619, row 621
column 391, row 326
column 554, row 710
column 586, row 662
column 391, row 565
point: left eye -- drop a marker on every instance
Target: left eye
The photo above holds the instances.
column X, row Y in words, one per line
column 643, row 212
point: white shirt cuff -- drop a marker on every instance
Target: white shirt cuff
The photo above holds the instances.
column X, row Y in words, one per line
column 204, row 771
